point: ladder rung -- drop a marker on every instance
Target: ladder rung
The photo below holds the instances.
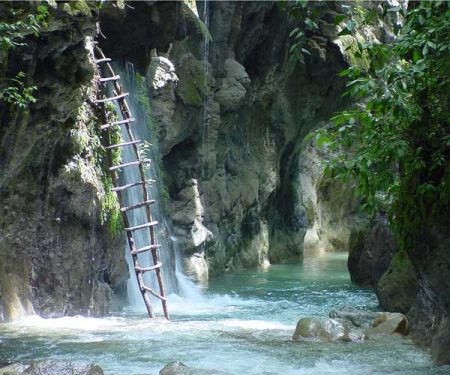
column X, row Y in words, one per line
column 123, row 144
column 153, row 292
column 144, row 249
column 138, row 205
column 142, row 226
column 127, row 186
column 114, row 167
column 105, row 59
column 147, row 269
column 118, row 97
column 107, row 79
column 122, row 122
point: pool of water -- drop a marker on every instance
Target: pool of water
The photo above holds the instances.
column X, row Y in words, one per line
column 242, row 324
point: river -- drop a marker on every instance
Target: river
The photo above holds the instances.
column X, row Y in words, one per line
column 241, row 324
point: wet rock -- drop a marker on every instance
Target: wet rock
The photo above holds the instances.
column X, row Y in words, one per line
column 187, row 215
column 359, row 318
column 440, row 343
column 179, row 368
column 397, row 288
column 51, row 367
column 370, row 252
column 325, row 329
column 59, row 255
column 389, row 324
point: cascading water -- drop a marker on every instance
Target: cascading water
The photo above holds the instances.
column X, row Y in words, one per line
column 174, row 280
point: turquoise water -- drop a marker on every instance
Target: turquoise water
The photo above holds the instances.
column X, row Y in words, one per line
column 242, row 325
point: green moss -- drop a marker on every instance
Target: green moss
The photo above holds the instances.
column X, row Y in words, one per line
column 194, row 83
column 353, row 53
column 110, row 210
column 77, row 8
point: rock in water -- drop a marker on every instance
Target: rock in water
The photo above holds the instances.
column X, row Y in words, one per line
column 179, row 368
column 325, row 329
column 389, row 324
column 359, row 318
column 52, row 367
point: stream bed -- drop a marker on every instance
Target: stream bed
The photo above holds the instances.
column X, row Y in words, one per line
column 242, row 324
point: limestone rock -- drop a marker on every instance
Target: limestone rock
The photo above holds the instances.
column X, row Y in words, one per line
column 230, row 94
column 188, row 218
column 237, row 71
column 332, row 208
column 196, row 266
column 397, row 288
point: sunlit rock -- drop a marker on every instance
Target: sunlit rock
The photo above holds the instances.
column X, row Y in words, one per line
column 389, row 324
column 325, row 329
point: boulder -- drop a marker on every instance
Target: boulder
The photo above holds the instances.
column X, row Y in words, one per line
column 325, row 329
column 397, row 288
column 179, row 368
column 359, row 318
column 389, row 324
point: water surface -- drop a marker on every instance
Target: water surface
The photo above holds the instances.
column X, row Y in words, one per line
column 242, row 325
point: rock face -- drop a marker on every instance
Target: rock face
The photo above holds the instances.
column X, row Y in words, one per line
column 57, row 255
column 332, row 208
column 430, row 311
column 233, row 120
column 397, row 288
column 371, row 251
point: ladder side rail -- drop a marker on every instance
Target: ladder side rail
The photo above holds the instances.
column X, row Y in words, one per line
column 123, row 105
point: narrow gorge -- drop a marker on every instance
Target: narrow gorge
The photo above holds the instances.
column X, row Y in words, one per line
column 280, row 251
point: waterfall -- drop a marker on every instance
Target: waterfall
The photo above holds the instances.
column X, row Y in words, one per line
column 174, row 280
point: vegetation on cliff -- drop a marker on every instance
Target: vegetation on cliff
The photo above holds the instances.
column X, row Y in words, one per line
column 396, row 141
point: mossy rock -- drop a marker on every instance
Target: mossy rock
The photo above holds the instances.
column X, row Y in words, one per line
column 398, row 286
column 77, row 8
column 350, row 50
column 194, row 81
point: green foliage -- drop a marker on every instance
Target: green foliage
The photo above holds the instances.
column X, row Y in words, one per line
column 18, row 93
column 396, row 142
column 14, row 27
column 306, row 18
column 18, row 24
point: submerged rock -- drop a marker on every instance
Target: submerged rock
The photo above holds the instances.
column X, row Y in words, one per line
column 325, row 329
column 179, row 368
column 51, row 367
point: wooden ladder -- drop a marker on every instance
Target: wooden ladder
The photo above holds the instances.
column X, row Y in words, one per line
column 104, row 66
